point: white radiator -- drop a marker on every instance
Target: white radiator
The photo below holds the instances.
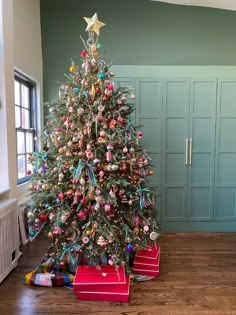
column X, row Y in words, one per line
column 9, row 236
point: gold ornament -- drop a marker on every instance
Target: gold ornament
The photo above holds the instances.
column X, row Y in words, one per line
column 93, row 92
column 45, row 187
column 72, row 69
column 94, row 24
column 150, row 172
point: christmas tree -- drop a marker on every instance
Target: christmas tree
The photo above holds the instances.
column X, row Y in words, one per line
column 89, row 186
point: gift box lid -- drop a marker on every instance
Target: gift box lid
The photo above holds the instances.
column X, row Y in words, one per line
column 107, row 274
column 151, row 252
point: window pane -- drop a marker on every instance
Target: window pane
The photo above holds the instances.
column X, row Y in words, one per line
column 20, row 142
column 25, row 96
column 17, row 93
column 17, row 116
column 29, row 142
column 21, row 166
column 25, row 118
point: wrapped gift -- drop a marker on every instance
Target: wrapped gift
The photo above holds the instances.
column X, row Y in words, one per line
column 146, row 262
column 115, row 294
column 90, row 278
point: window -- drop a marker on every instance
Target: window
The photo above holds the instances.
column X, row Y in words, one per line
column 25, row 122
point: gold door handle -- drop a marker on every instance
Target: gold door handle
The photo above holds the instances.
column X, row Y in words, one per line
column 186, row 151
column 190, row 150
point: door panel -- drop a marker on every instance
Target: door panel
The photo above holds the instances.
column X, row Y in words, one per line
column 202, row 132
column 200, row 203
column 175, row 203
column 150, row 98
column 175, row 120
column 151, row 134
column 174, row 170
column 201, row 169
column 225, row 183
column 226, row 208
column 176, row 97
column 148, row 115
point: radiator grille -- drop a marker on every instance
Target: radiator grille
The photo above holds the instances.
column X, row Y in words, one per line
column 9, row 237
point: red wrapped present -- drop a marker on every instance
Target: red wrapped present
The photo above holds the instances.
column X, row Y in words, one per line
column 89, row 278
column 117, row 294
column 146, row 262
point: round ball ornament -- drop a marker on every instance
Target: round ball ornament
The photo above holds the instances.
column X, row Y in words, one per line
column 72, row 69
column 81, row 215
column 129, row 247
column 101, row 76
column 43, row 217
column 71, row 169
column 30, row 215
column 153, row 236
column 32, row 233
column 110, row 87
column 83, row 53
column 75, row 90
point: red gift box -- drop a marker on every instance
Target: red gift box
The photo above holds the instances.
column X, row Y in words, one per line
column 120, row 294
column 146, row 262
column 89, row 278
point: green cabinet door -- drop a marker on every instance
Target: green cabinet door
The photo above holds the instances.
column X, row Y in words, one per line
column 175, row 133
column 202, row 118
column 225, row 169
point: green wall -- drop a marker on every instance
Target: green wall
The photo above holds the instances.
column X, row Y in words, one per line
column 138, row 32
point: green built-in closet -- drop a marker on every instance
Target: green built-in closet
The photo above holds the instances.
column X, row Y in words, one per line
column 189, row 130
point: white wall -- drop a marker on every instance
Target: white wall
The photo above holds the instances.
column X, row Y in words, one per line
column 20, row 47
column 7, row 128
column 28, row 50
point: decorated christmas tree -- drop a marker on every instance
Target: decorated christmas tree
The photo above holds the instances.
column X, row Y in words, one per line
column 90, row 181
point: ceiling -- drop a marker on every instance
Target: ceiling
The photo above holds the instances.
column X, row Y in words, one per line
column 221, row 4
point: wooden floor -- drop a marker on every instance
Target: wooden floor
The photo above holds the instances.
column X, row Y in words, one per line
column 198, row 276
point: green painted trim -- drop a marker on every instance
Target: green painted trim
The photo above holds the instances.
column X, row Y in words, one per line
column 224, row 72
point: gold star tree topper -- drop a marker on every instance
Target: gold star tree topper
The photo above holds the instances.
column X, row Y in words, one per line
column 94, row 24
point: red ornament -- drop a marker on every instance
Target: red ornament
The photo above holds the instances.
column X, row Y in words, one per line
column 81, row 215
column 98, row 90
column 43, row 217
column 61, row 195
column 74, row 181
column 110, row 87
column 83, row 53
column 28, row 172
column 58, row 130
column 84, row 200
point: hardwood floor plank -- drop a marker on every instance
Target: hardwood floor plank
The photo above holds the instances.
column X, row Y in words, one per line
column 198, row 276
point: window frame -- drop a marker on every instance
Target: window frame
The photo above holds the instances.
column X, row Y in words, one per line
column 26, row 81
